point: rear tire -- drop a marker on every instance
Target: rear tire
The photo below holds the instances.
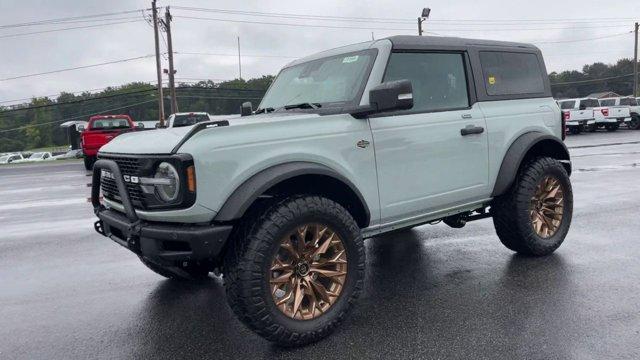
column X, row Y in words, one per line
column 190, row 272
column 89, row 161
column 612, row 127
column 263, row 250
column 592, row 128
column 575, row 130
column 515, row 213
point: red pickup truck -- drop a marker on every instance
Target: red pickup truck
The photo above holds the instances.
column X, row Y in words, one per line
column 100, row 130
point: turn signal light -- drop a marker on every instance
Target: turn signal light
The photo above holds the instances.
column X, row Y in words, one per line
column 191, row 179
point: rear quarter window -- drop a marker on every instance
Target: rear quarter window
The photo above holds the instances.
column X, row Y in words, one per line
column 511, row 73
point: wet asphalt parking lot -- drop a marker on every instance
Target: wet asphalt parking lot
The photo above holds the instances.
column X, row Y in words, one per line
column 432, row 292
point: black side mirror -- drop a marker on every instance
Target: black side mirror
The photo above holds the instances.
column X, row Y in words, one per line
column 392, row 95
column 246, row 109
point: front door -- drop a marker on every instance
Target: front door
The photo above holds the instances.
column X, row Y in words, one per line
column 435, row 155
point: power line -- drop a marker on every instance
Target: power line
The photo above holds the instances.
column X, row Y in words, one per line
column 78, row 67
column 67, row 19
column 591, row 80
column 397, row 20
column 579, row 40
column 291, row 24
column 243, row 55
column 69, row 28
column 76, row 101
column 76, row 117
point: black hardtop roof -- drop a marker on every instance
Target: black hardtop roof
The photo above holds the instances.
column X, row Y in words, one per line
column 408, row 42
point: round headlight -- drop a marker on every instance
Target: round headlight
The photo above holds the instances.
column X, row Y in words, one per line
column 169, row 189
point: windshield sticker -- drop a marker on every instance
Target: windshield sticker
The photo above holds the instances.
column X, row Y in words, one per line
column 350, row 59
column 492, row 80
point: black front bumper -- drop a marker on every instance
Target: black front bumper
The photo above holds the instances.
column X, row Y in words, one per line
column 162, row 243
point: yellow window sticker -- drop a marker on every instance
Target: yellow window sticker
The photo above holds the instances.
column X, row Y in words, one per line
column 492, row 80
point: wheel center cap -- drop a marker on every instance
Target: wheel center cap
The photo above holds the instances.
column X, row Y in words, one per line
column 302, row 269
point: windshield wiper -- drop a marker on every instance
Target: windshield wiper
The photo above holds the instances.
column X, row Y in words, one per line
column 264, row 110
column 304, row 105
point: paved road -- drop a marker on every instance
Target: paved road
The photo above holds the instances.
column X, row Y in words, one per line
column 433, row 292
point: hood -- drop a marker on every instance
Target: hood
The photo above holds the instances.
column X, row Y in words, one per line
column 163, row 141
column 156, row 141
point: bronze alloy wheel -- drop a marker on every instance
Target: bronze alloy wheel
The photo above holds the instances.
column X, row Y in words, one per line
column 308, row 271
column 547, row 205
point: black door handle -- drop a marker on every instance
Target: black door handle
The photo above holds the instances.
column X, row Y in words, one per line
column 470, row 129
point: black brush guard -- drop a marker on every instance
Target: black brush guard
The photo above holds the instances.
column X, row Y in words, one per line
column 169, row 244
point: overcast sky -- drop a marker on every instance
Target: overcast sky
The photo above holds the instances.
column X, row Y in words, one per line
column 36, row 53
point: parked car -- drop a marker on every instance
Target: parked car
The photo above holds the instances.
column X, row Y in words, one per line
column 35, row 157
column 633, row 121
column 346, row 144
column 71, row 154
column 186, row 119
column 611, row 116
column 100, row 130
column 9, row 158
column 578, row 114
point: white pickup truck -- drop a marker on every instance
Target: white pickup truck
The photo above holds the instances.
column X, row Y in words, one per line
column 612, row 114
column 621, row 104
column 578, row 114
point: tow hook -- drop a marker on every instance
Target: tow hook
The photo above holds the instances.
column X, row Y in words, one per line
column 99, row 227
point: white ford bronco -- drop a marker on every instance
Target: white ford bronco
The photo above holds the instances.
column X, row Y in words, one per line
column 346, row 144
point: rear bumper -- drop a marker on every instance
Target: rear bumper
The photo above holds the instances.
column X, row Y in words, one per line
column 90, row 151
column 162, row 243
column 608, row 121
column 572, row 123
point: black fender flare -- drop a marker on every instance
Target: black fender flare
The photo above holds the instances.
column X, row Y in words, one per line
column 240, row 200
column 519, row 150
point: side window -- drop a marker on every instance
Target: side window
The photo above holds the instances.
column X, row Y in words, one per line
column 438, row 79
column 511, row 73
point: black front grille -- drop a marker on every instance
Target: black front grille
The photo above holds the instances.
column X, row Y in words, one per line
column 128, row 166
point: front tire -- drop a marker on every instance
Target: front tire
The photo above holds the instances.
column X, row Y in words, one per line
column 534, row 216
column 293, row 271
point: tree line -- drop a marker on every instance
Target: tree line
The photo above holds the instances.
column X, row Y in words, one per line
column 572, row 84
column 38, row 121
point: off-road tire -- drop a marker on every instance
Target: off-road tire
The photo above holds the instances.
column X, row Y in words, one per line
column 612, row 127
column 191, row 272
column 89, row 161
column 248, row 260
column 634, row 124
column 511, row 211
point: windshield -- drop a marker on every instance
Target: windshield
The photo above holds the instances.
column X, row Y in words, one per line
column 189, row 119
column 628, row 102
column 332, row 80
column 107, row 124
column 608, row 102
column 564, row 105
column 36, row 155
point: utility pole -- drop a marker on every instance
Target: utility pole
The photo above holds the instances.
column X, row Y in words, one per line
column 158, row 65
column 239, row 60
column 635, row 64
column 172, row 84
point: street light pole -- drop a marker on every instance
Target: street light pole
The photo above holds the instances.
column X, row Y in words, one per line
column 424, row 16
